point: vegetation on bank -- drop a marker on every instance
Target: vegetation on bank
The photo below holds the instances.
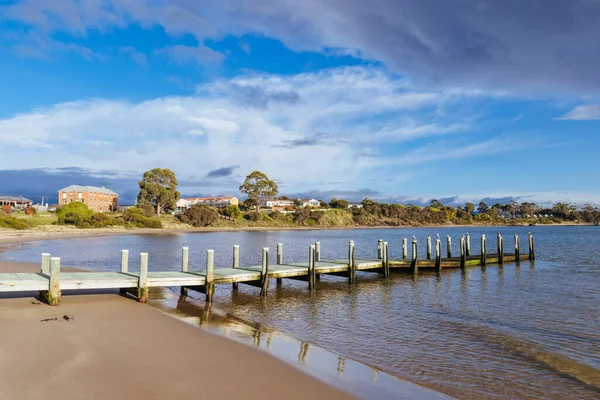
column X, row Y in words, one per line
column 158, row 196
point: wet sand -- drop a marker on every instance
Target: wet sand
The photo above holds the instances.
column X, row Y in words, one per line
column 116, row 348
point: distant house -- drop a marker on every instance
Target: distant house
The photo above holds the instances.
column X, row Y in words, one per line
column 290, row 203
column 310, row 203
column 355, row 205
column 124, row 207
column 99, row 199
column 217, row 202
column 15, row 202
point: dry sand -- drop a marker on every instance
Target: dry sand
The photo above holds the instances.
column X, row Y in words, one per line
column 116, row 348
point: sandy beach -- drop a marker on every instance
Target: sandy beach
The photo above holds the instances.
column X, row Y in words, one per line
column 111, row 347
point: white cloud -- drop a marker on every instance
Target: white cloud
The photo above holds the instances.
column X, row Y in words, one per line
column 297, row 129
column 583, row 113
column 182, row 55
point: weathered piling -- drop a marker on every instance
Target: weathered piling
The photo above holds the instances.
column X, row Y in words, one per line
column 463, row 255
column 438, row 254
column 142, row 289
column 449, row 246
column 380, row 249
column 386, row 260
column 404, row 248
column 429, row 247
column 279, row 260
column 53, row 295
column 185, row 266
column 264, row 272
column 531, row 248
column 45, row 270
column 124, row 261
column 209, row 286
column 414, row 264
column 236, row 262
column 45, row 266
column 500, row 250
column 351, row 262
column 468, row 244
column 517, row 249
column 311, row 266
column 483, row 251
column 317, row 251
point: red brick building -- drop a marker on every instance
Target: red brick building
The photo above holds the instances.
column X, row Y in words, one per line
column 96, row 198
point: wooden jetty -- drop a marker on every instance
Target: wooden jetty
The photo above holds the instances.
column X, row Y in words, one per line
column 50, row 281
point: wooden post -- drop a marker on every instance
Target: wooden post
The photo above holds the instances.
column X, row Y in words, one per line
column 531, row 248
column 45, row 267
column 317, row 251
column 210, row 275
column 517, row 249
column 429, row 247
column 483, row 251
column 142, row 289
column 185, row 266
column 380, row 249
column 351, row 265
column 438, row 254
column 279, row 260
column 54, row 294
column 386, row 261
column 124, row 261
column 500, row 250
column 462, row 252
column 404, row 248
column 468, row 244
column 311, row 266
column 449, row 246
column 414, row 265
column 264, row 272
column 236, row 263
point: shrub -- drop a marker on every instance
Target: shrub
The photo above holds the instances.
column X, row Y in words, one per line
column 252, row 216
column 232, row 211
column 199, row 215
column 147, row 208
column 2, row 213
column 317, row 215
column 30, row 211
column 136, row 217
column 302, row 215
column 13, row 223
column 75, row 213
column 100, row 220
column 275, row 214
column 7, row 209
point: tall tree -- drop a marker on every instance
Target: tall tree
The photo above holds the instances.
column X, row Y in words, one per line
column 483, row 208
column 469, row 207
column 159, row 188
column 259, row 187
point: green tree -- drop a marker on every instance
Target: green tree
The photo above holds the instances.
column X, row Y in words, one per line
column 159, row 188
column 435, row 203
column 483, row 208
column 323, row 204
column 335, row 203
column 469, row 207
column 232, row 211
column 590, row 214
column 259, row 187
column 200, row 215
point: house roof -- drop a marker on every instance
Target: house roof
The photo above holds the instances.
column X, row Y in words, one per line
column 15, row 198
column 94, row 189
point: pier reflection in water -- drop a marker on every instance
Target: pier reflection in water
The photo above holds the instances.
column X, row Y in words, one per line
column 361, row 380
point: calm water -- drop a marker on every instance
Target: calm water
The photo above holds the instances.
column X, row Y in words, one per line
column 528, row 331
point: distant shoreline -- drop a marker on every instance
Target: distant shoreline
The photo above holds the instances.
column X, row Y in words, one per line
column 10, row 236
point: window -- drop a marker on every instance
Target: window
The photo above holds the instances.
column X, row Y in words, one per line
column 79, row 194
column 65, row 201
column 64, row 195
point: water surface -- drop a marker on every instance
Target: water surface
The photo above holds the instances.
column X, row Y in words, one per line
column 527, row 331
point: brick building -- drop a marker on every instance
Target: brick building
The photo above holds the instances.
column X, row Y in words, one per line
column 96, row 198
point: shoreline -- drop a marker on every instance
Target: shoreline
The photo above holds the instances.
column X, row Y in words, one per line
column 262, row 373
column 10, row 236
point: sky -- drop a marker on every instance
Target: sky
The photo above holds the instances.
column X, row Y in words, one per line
column 395, row 100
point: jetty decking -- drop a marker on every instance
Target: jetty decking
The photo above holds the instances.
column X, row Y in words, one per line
column 50, row 282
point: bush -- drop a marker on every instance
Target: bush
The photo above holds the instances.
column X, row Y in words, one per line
column 13, row 223
column 232, row 211
column 100, row 220
column 253, row 216
column 2, row 213
column 199, row 215
column 30, row 211
column 302, row 215
column 136, row 217
column 275, row 214
column 7, row 209
column 75, row 213
column 147, row 208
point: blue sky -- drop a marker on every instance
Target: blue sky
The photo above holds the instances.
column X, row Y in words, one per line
column 398, row 100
